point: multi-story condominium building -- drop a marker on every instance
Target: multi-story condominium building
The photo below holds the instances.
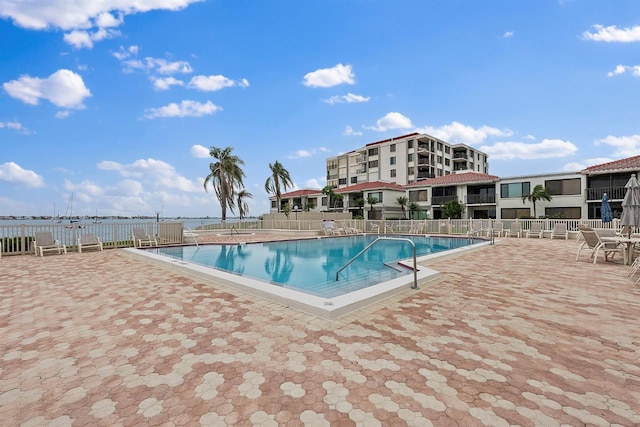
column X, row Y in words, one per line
column 403, row 160
column 576, row 195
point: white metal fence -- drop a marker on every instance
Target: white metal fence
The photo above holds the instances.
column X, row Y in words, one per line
column 18, row 239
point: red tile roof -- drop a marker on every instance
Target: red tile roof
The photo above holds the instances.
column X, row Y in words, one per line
column 299, row 193
column 630, row 164
column 374, row 185
column 456, row 179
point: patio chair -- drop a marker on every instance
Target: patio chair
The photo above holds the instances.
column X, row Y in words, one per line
column 498, row 229
column 87, row 241
column 560, row 230
column 329, row 228
column 141, row 238
column 535, row 230
column 515, row 229
column 593, row 245
column 417, row 229
column 44, row 242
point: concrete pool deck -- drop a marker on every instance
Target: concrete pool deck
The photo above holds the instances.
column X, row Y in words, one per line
column 513, row 334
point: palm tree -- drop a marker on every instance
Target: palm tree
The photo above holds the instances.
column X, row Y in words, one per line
column 539, row 193
column 243, row 207
column 226, row 175
column 413, row 209
column 402, row 201
column 278, row 181
column 372, row 201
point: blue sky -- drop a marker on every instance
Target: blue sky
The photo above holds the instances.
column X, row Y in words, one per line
column 118, row 101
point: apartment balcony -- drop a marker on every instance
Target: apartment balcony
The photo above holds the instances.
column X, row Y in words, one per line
column 440, row 200
column 613, row 193
column 481, row 199
column 425, row 175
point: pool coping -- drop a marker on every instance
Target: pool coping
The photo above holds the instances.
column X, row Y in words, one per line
column 324, row 308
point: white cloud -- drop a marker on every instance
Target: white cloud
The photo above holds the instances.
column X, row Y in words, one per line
column 81, row 15
column 349, row 98
column 348, row 131
column 64, row 89
column 308, row 153
column 84, row 39
column 621, row 69
column 186, row 108
column 157, row 65
column 14, row 174
column 62, row 114
column 329, row 77
column 14, row 126
column 600, row 33
column 214, row 83
column 458, row 133
column 391, row 121
column 625, row 146
column 546, row 149
column 508, row 34
column 123, row 53
column 578, row 166
column 314, row 183
column 153, row 173
column 166, row 83
column 200, row 151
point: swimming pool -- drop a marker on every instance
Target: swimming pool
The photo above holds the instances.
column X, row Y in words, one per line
column 310, row 266
column 328, row 308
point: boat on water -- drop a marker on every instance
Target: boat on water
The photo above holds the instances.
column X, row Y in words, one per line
column 73, row 222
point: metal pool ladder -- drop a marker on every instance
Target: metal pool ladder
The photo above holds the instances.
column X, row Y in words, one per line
column 415, row 264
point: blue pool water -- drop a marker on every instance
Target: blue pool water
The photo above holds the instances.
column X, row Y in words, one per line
column 310, row 265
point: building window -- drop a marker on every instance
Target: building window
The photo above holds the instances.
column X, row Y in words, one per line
column 410, row 170
column 447, row 149
column 515, row 190
column 410, row 143
column 447, row 162
column 373, row 151
column 377, row 195
column 439, row 146
column 342, row 181
column 410, row 157
column 439, row 159
column 373, row 164
column 393, row 173
column 392, row 160
column 324, row 201
column 571, row 212
column 273, row 204
column 513, row 213
column 564, row 187
column 354, row 179
column 392, row 148
column 418, row 196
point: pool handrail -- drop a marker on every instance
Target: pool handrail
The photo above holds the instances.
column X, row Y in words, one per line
column 415, row 264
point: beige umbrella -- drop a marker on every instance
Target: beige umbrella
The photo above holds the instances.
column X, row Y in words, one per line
column 630, row 219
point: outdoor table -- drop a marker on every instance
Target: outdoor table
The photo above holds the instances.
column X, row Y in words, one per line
column 629, row 242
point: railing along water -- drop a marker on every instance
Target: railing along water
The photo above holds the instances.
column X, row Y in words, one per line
column 18, row 239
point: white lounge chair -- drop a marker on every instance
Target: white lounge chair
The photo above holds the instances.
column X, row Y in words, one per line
column 535, row 230
column 515, row 229
column 560, row 230
column 44, row 242
column 498, row 229
column 329, row 228
column 88, row 241
column 141, row 238
column 593, row 245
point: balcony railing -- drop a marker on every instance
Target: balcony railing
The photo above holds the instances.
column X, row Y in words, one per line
column 613, row 193
column 475, row 199
column 439, row 200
